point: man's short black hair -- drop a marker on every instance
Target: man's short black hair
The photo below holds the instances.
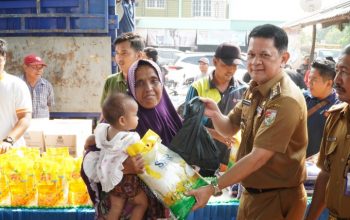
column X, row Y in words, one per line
column 3, row 47
column 152, row 53
column 270, row 31
column 325, row 67
column 136, row 41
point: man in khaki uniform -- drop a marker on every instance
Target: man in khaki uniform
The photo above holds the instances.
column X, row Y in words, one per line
column 332, row 188
column 272, row 117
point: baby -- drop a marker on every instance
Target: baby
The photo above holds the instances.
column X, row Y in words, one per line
column 120, row 111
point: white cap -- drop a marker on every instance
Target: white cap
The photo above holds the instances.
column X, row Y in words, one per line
column 204, row 60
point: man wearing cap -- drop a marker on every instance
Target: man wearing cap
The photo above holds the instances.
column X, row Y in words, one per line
column 332, row 188
column 319, row 98
column 272, row 118
column 40, row 89
column 15, row 106
column 224, row 89
column 203, row 68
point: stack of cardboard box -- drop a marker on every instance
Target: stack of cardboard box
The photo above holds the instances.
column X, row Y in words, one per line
column 72, row 133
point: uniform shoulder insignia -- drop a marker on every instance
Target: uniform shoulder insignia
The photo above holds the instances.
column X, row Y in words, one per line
column 337, row 107
column 275, row 90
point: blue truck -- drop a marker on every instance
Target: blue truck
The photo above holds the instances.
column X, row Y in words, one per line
column 74, row 38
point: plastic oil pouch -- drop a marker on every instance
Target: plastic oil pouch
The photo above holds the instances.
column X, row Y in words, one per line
column 77, row 191
column 21, row 181
column 58, row 151
column 5, row 198
column 49, row 190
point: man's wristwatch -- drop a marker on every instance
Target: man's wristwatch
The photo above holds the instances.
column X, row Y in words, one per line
column 9, row 140
column 217, row 190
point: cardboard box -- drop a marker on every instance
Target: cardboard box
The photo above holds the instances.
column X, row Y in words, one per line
column 35, row 139
column 70, row 133
column 82, row 128
column 57, row 140
column 34, row 135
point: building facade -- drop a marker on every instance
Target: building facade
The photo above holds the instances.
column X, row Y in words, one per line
column 196, row 25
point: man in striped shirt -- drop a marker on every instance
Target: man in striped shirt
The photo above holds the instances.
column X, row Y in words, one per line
column 40, row 89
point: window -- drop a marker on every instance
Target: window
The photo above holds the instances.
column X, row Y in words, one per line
column 155, row 3
column 209, row 8
column 201, row 8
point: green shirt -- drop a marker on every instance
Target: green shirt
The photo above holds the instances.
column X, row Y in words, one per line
column 114, row 83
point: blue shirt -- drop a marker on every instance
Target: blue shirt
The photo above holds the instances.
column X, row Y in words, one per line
column 316, row 121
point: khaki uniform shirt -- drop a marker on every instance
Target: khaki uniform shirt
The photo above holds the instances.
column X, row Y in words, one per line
column 273, row 116
column 335, row 159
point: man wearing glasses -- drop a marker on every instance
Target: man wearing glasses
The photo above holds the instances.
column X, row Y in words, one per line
column 40, row 89
column 319, row 97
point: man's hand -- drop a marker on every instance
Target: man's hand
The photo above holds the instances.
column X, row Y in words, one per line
column 313, row 159
column 318, row 202
column 228, row 141
column 134, row 165
column 211, row 108
column 4, row 147
column 202, row 196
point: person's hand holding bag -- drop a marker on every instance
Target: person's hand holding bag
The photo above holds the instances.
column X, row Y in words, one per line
column 193, row 142
column 134, row 165
column 211, row 108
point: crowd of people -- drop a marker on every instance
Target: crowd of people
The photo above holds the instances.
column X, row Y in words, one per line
column 24, row 97
column 281, row 127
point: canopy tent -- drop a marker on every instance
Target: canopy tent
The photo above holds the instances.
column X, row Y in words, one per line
column 334, row 15
column 338, row 14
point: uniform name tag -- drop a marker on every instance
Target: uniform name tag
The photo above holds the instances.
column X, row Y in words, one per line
column 331, row 139
column 246, row 102
column 258, row 111
column 347, row 136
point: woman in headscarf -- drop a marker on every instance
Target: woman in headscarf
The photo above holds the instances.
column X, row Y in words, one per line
column 155, row 112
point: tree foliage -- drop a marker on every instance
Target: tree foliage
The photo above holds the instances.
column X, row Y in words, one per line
column 331, row 35
column 335, row 36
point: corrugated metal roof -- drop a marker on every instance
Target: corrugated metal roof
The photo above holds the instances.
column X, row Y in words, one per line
column 336, row 14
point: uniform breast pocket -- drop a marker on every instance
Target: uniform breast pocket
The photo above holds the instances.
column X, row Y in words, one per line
column 244, row 118
column 330, row 154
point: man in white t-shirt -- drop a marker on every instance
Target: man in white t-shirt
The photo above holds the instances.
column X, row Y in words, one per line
column 15, row 106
